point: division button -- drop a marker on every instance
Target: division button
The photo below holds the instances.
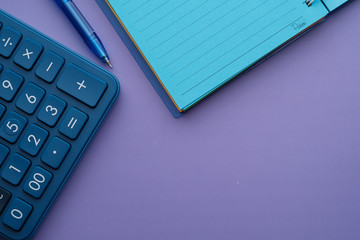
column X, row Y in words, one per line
column 9, row 39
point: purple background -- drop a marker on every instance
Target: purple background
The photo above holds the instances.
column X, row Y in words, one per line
column 273, row 155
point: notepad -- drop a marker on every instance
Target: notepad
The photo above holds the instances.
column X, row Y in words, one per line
column 194, row 47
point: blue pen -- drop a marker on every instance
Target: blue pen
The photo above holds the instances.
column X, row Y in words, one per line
column 84, row 28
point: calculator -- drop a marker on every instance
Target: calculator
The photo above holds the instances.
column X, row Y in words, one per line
column 52, row 101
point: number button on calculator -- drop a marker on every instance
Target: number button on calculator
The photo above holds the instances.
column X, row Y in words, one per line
column 33, row 140
column 37, row 182
column 10, row 84
column 30, row 98
column 12, row 127
column 51, row 110
column 17, row 214
column 15, row 169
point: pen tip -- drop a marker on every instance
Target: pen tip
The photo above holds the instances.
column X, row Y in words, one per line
column 108, row 63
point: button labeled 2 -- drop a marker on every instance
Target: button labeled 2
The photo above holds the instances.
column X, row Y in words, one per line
column 33, row 140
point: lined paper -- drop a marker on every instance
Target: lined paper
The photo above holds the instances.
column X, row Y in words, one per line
column 194, row 47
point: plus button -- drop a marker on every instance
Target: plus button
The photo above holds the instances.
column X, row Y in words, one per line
column 81, row 85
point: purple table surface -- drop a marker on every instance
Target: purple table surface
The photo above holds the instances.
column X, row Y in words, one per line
column 273, row 155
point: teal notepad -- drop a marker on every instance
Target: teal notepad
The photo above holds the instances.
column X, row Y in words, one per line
column 194, row 47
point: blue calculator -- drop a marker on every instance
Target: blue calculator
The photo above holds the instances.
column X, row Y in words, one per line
column 52, row 101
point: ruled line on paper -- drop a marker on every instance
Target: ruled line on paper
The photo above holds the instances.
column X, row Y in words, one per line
column 179, row 19
column 165, row 15
column 215, row 34
column 198, row 32
column 265, row 40
column 187, row 26
column 222, row 42
column 139, row 7
column 151, row 12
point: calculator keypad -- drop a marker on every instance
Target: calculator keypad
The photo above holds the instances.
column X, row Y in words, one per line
column 51, row 103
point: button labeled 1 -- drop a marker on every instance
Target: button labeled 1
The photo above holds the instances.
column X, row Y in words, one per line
column 15, row 169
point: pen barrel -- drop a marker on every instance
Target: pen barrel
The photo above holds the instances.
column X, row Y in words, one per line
column 84, row 28
column 76, row 18
column 97, row 47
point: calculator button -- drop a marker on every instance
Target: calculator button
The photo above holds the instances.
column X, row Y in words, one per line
column 30, row 98
column 28, row 53
column 4, row 151
column 17, row 214
column 4, row 198
column 37, row 182
column 55, row 152
column 73, row 123
column 9, row 39
column 12, row 127
column 51, row 110
column 49, row 67
column 81, row 85
column 15, row 169
column 33, row 140
column 10, row 83
column 2, row 110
